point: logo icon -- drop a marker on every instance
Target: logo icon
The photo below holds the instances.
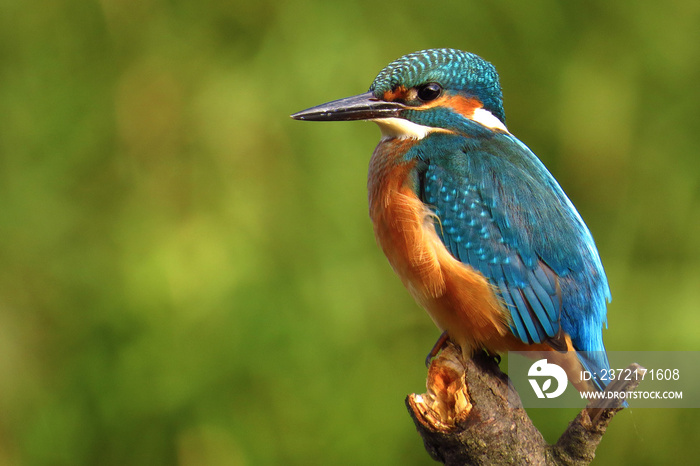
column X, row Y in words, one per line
column 542, row 368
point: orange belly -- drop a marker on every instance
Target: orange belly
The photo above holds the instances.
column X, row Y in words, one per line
column 458, row 298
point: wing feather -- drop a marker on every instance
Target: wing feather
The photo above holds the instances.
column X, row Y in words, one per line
column 502, row 213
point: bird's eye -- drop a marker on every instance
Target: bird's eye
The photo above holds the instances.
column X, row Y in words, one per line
column 428, row 92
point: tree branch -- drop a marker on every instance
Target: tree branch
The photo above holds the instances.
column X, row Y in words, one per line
column 477, row 424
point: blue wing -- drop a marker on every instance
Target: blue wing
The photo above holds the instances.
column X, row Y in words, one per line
column 501, row 212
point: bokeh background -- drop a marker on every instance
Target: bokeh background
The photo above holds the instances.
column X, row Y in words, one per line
column 189, row 277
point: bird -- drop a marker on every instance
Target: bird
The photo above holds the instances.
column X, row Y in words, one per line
column 478, row 230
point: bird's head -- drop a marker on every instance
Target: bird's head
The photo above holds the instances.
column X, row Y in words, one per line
column 423, row 92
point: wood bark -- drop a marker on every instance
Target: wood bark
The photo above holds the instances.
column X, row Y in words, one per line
column 472, row 415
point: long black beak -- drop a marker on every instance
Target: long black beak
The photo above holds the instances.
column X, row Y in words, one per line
column 359, row 107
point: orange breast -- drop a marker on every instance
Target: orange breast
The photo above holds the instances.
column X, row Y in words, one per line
column 458, row 298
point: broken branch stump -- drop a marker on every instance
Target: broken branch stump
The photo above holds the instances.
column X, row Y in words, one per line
column 472, row 415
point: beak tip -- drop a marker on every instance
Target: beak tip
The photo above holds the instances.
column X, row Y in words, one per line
column 310, row 115
column 359, row 107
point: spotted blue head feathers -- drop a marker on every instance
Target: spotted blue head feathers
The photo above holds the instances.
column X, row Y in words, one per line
column 455, row 70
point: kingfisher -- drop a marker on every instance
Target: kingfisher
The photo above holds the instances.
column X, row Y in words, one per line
column 479, row 231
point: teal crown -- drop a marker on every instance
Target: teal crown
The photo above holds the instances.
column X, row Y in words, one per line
column 455, row 70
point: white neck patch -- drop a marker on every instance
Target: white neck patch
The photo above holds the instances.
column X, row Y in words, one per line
column 404, row 129
column 486, row 118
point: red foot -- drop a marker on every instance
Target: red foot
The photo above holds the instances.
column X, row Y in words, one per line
column 437, row 347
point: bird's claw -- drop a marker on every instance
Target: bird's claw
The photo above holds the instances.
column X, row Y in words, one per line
column 437, row 347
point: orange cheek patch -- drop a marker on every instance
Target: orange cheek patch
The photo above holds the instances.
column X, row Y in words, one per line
column 399, row 93
column 463, row 105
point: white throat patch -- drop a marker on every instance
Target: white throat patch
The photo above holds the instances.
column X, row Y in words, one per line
column 404, row 129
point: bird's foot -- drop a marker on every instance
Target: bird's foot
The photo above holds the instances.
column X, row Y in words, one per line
column 494, row 356
column 437, row 347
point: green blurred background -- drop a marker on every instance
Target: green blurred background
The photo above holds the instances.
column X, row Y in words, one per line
column 189, row 276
